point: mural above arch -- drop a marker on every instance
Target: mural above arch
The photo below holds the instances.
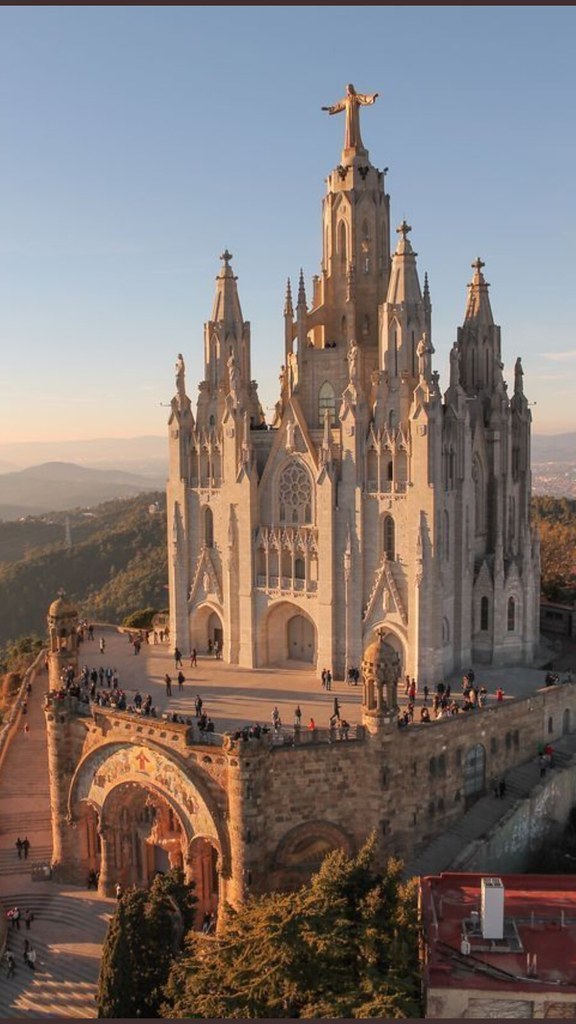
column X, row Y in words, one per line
column 118, row 763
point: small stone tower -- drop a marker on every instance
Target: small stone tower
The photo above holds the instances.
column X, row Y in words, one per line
column 62, row 639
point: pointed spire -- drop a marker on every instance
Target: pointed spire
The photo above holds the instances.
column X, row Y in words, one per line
column 404, row 284
column 426, row 289
column 301, row 291
column 478, row 306
column 288, row 307
column 226, row 308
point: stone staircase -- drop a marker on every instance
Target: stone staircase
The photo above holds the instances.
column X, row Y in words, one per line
column 442, row 854
column 67, row 934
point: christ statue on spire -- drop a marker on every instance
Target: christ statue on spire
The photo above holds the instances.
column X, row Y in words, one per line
column 351, row 103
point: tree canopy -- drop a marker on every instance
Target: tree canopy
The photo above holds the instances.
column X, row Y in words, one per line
column 343, row 946
column 145, row 934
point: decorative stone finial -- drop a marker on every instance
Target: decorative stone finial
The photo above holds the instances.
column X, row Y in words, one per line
column 404, row 229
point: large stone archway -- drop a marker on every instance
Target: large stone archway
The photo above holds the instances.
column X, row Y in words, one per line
column 301, row 851
column 150, row 814
column 287, row 633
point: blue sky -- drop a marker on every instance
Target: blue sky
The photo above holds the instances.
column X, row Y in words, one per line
column 139, row 142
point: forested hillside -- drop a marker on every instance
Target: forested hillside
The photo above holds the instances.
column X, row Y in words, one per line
column 110, row 561
column 556, row 518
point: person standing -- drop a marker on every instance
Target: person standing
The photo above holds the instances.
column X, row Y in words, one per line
column 10, row 964
column 298, row 717
column 31, row 958
column 181, row 681
column 28, row 918
column 168, row 682
column 193, row 658
column 177, row 658
column 26, row 847
column 18, row 845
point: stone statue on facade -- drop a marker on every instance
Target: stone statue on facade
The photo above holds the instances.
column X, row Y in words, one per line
column 180, row 368
column 351, row 104
column 352, row 357
column 233, row 376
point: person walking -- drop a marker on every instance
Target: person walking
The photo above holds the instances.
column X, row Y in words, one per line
column 28, row 918
column 193, row 658
column 31, row 958
column 168, row 682
column 26, row 730
column 181, row 681
column 10, row 964
column 26, row 847
column 18, row 845
column 102, row 645
column 298, row 717
column 177, row 658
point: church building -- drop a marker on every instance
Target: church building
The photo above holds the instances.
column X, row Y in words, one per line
column 374, row 503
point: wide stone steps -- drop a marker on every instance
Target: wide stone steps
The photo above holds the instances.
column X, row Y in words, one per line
column 64, row 983
column 10, row 865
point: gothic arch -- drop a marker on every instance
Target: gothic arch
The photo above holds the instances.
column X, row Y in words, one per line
column 326, row 400
column 389, row 537
column 204, row 620
column 278, row 635
column 143, row 768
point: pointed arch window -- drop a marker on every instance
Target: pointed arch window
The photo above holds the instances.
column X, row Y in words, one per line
column 208, row 528
column 389, row 538
column 295, row 494
column 484, row 614
column 511, row 615
column 342, row 244
column 326, row 401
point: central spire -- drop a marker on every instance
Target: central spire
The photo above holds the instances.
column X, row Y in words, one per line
column 351, row 103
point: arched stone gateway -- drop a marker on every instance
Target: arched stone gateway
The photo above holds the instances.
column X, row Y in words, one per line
column 138, row 811
column 287, row 634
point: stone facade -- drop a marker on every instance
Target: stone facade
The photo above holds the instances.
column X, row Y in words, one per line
column 131, row 795
column 373, row 501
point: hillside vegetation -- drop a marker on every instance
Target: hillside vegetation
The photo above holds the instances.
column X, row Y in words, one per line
column 556, row 518
column 109, row 561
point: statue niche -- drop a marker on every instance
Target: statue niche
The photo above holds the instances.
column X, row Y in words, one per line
column 381, row 669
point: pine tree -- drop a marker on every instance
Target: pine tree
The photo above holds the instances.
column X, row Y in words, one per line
column 343, row 946
column 144, row 936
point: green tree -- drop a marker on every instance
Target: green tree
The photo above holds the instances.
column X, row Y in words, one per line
column 145, row 934
column 343, row 946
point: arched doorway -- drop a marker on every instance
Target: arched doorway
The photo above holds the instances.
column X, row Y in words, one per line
column 203, row 869
column 144, row 835
column 286, row 634
column 215, row 631
column 474, row 774
column 300, row 639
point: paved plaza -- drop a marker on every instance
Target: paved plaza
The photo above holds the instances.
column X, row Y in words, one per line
column 234, row 696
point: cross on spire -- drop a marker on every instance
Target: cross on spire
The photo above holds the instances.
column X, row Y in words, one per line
column 226, row 256
column 478, row 264
column 403, row 229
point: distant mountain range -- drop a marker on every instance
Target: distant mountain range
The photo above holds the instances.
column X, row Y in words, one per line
column 54, row 486
column 46, row 476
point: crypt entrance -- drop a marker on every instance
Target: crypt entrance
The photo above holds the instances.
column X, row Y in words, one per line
column 136, row 811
